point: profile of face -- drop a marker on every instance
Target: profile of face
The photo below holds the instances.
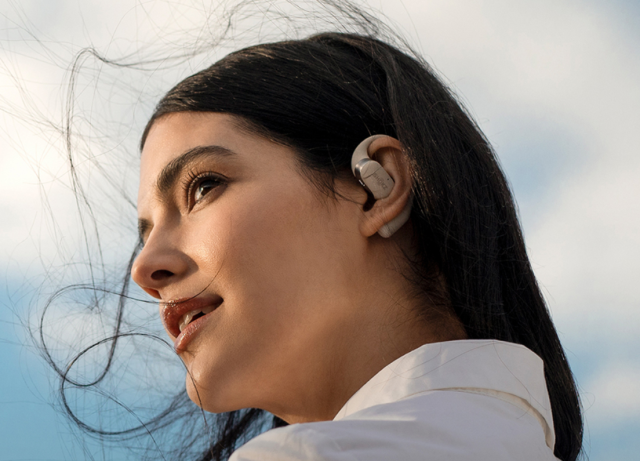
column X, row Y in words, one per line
column 295, row 284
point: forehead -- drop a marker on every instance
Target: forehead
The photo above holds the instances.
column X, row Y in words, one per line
column 173, row 135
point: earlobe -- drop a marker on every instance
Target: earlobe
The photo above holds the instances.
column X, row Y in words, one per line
column 388, row 180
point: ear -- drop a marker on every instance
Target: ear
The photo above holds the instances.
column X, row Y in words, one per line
column 389, row 153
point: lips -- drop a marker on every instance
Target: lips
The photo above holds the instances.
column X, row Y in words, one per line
column 183, row 317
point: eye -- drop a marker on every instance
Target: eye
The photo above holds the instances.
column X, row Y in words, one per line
column 203, row 187
column 200, row 185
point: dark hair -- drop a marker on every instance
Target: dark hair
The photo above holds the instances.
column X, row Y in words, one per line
column 322, row 96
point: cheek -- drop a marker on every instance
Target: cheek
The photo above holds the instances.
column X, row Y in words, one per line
column 271, row 244
column 260, row 247
column 290, row 261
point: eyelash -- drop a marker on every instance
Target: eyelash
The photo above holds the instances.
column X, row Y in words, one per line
column 193, row 180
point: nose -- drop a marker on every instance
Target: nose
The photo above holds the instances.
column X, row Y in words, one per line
column 159, row 264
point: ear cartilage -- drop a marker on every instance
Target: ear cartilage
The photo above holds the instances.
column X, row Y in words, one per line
column 376, row 180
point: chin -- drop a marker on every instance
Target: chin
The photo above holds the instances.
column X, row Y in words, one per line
column 208, row 400
column 195, row 394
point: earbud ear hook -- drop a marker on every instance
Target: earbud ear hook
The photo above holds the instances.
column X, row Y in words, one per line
column 376, row 180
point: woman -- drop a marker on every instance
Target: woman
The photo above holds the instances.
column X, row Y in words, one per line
column 406, row 324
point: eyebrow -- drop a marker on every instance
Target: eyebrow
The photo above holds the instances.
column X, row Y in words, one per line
column 171, row 172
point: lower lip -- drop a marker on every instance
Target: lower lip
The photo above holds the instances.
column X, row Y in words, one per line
column 190, row 331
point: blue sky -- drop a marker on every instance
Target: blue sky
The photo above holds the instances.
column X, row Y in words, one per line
column 554, row 85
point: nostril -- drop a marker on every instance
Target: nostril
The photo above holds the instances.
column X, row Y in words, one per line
column 161, row 275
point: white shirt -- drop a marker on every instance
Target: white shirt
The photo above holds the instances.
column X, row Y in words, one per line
column 479, row 400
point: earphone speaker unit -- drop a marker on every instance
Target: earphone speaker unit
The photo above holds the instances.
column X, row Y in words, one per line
column 373, row 177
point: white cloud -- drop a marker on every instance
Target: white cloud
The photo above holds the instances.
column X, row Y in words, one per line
column 613, row 397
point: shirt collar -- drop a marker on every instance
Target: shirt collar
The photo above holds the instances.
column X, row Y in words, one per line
column 507, row 371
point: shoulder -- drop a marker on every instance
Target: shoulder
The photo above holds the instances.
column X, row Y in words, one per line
column 435, row 426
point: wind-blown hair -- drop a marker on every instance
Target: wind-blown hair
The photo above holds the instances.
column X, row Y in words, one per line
column 324, row 94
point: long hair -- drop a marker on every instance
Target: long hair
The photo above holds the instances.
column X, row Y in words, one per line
column 321, row 96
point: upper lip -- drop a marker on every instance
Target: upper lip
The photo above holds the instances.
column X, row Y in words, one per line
column 172, row 311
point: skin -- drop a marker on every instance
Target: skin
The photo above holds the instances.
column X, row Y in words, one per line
column 314, row 303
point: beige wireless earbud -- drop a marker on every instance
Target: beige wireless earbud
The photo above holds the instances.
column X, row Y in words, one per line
column 376, row 180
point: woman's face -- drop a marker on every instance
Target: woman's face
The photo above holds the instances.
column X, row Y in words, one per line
column 231, row 226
